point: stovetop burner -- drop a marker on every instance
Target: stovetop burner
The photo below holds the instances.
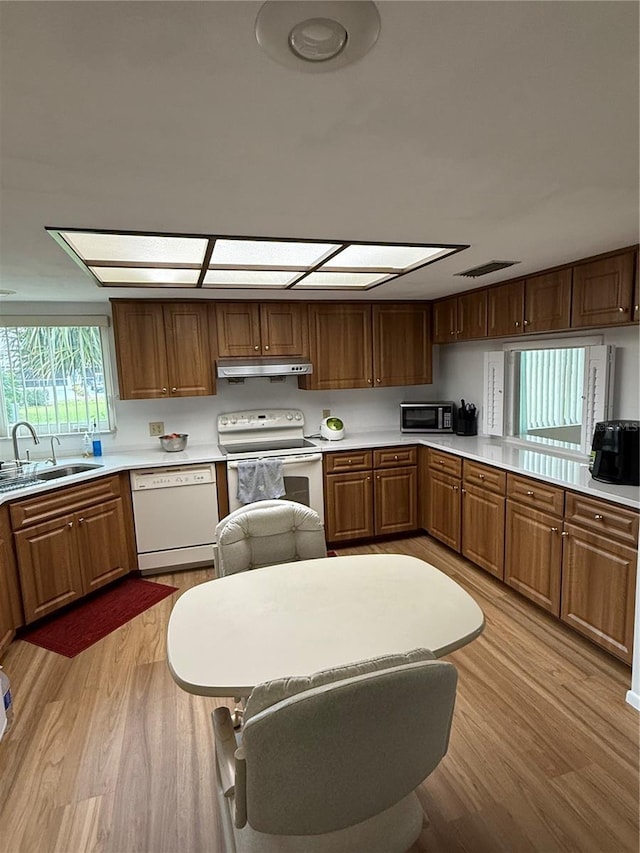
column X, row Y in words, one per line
column 272, row 447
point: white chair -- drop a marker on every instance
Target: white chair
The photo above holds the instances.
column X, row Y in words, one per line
column 330, row 763
column 268, row 532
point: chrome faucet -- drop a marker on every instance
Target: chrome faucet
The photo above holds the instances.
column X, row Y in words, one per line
column 52, row 458
column 14, row 437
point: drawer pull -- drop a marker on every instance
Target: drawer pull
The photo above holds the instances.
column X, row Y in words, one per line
column 598, row 517
column 530, row 494
column 440, row 461
column 349, row 461
column 481, row 476
column 395, row 457
column 81, row 520
column 70, row 524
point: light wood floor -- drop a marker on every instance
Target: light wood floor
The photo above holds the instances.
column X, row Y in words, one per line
column 107, row 754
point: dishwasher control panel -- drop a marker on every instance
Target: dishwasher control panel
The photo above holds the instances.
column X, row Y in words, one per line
column 170, row 478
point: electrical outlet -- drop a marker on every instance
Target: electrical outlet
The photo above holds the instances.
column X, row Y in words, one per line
column 156, row 428
column 326, row 413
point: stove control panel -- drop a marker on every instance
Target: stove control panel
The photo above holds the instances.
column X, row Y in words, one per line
column 269, row 419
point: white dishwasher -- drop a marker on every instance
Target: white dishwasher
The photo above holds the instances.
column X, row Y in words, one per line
column 175, row 512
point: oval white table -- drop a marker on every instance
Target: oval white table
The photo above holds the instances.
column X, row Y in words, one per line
column 227, row 635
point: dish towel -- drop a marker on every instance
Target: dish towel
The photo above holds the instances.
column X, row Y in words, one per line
column 260, row 480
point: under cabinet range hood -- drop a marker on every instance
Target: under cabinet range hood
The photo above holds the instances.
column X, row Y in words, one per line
column 243, row 368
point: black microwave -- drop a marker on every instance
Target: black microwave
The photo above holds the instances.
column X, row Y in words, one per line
column 427, row 417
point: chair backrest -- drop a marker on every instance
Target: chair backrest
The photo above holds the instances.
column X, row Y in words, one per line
column 266, row 533
column 340, row 753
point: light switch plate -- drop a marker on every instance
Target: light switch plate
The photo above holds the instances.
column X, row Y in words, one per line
column 326, row 413
column 156, row 428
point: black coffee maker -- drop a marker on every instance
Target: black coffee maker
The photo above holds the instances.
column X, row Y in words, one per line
column 615, row 453
column 467, row 420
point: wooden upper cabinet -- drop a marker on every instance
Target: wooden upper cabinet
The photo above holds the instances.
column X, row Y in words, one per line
column 162, row 349
column 505, row 310
column 603, row 292
column 445, row 320
column 340, row 346
column 548, row 302
column 254, row 329
column 636, row 291
column 401, row 345
column 472, row 315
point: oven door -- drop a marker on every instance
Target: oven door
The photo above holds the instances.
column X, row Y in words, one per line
column 302, row 475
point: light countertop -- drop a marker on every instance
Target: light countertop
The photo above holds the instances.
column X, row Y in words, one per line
column 558, row 470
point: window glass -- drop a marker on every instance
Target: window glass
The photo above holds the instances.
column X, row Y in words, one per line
column 54, row 377
column 549, row 398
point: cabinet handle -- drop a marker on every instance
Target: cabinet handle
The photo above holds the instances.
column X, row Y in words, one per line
column 81, row 520
column 440, row 461
column 564, row 533
column 369, row 381
column 349, row 461
column 256, row 347
column 464, row 491
column 70, row 524
column 173, row 390
column 517, row 323
column 163, row 390
column 553, row 529
column 598, row 517
column 395, row 457
column 377, row 476
column 368, row 478
column 530, row 494
column 526, row 322
column 456, row 488
column 623, row 310
column 452, row 332
column 377, row 380
column 266, row 346
column 481, row 476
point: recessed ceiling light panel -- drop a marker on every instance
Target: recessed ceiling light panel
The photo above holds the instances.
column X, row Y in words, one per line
column 312, row 35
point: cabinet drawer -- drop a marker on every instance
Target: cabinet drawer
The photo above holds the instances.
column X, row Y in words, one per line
column 535, row 493
column 391, row 457
column 484, row 476
column 605, row 518
column 358, row 460
column 445, row 462
column 43, row 507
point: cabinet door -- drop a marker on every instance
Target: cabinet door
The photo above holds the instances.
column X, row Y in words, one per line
column 483, row 529
column 238, row 327
column 140, row 350
column 102, row 544
column 445, row 320
column 598, row 589
column 48, row 564
column 396, row 500
column 472, row 315
column 443, row 510
column 349, row 506
column 341, row 349
column 505, row 309
column 189, row 356
column 401, row 345
column 10, row 604
column 603, row 292
column 284, row 329
column 548, row 302
column 636, row 291
column 533, row 555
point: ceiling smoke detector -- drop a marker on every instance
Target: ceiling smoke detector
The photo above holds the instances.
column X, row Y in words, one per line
column 317, row 36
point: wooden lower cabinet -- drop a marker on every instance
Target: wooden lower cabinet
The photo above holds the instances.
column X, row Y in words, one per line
column 444, row 511
column 533, row 555
column 63, row 556
column 370, row 493
column 483, row 528
column 348, row 506
column 598, row 589
column 10, row 605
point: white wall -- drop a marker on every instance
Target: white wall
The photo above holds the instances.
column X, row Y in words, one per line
column 461, row 369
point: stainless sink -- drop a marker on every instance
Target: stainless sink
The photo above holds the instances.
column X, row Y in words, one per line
column 66, row 470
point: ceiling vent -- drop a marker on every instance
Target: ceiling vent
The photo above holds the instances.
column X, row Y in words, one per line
column 485, row 269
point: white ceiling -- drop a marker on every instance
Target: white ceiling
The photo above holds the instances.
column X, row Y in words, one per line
column 511, row 126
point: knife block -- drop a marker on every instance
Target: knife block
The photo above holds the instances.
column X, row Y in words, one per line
column 467, row 423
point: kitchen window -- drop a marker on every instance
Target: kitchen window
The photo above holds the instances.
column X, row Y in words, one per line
column 54, row 373
column 550, row 394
